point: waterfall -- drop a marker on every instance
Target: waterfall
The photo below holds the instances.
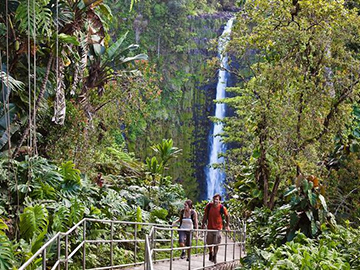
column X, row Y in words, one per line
column 215, row 177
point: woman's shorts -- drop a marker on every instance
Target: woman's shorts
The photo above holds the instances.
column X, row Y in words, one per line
column 213, row 238
column 184, row 237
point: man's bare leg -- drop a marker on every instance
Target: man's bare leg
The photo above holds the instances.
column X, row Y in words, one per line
column 215, row 252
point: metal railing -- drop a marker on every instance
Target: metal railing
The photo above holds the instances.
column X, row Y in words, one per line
column 64, row 256
column 69, row 247
column 237, row 236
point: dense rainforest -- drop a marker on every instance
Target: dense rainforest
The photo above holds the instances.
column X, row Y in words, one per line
column 106, row 108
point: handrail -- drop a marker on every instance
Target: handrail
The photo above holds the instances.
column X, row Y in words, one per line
column 148, row 254
column 228, row 234
column 37, row 253
column 42, row 251
column 63, row 257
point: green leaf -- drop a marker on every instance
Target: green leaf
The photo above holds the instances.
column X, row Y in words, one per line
column 112, row 51
column 312, row 197
column 105, row 11
column 3, row 227
column 305, row 186
column 323, row 202
column 354, row 147
column 256, row 153
column 6, row 253
column 310, row 215
column 141, row 56
column 64, row 38
column 290, row 191
column 314, row 228
column 98, row 49
column 33, row 221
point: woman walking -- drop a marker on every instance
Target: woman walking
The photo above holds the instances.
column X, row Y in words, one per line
column 188, row 220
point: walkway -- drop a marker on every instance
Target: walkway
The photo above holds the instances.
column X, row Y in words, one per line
column 154, row 241
column 197, row 261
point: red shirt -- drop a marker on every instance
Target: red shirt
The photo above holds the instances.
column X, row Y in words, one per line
column 214, row 217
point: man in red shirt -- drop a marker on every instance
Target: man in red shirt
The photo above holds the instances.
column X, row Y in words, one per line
column 212, row 216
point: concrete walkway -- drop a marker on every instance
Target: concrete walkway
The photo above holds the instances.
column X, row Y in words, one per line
column 197, row 261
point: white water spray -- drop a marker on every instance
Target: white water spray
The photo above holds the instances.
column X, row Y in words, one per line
column 215, row 177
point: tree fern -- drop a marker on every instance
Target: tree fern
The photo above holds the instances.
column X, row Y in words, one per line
column 42, row 18
column 33, row 221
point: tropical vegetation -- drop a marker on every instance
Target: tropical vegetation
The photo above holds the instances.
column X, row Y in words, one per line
column 104, row 113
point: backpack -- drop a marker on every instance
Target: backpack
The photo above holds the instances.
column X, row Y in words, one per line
column 207, row 207
column 222, row 212
column 192, row 216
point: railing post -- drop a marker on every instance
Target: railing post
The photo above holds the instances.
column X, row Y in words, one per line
column 234, row 245
column 190, row 249
column 171, row 251
column 84, row 246
column 135, row 238
column 112, row 245
column 145, row 256
column 197, row 241
column 204, row 252
column 240, row 241
column 154, row 243
column 44, row 259
column 66, row 251
column 226, row 244
column 58, row 251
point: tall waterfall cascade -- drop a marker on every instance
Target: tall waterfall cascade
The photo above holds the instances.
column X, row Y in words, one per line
column 215, row 177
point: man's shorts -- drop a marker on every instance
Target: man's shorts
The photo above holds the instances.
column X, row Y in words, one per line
column 184, row 237
column 213, row 238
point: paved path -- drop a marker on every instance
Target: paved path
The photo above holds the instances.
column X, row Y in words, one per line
column 197, row 260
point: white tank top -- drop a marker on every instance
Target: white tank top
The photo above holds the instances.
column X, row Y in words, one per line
column 187, row 223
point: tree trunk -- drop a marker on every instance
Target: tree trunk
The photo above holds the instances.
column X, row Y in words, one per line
column 37, row 104
column 274, row 192
column 262, row 174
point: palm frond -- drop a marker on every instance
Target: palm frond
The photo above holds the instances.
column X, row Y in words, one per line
column 10, row 82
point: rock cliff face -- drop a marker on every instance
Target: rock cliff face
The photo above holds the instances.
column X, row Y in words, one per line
column 190, row 88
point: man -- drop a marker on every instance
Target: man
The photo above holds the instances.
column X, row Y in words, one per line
column 213, row 217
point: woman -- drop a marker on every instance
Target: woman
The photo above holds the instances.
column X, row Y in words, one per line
column 188, row 221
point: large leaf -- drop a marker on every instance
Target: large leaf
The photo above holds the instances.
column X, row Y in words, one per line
column 3, row 227
column 311, row 197
column 141, row 56
column 33, row 221
column 323, row 202
column 290, row 191
column 9, row 83
column 68, row 39
column 112, row 51
column 6, row 253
